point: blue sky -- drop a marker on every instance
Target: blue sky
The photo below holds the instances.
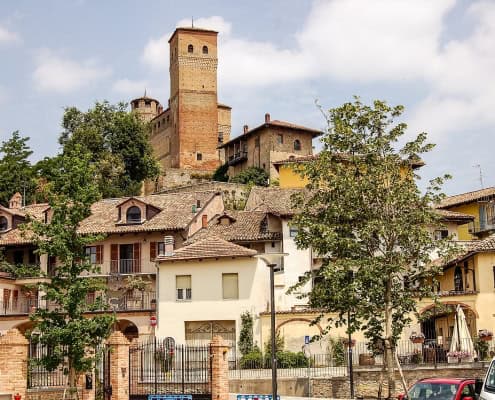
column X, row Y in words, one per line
column 279, row 56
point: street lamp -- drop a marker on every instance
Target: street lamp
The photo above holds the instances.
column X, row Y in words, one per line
column 270, row 259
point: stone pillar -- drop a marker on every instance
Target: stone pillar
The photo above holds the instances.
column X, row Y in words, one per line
column 219, row 369
column 119, row 365
column 13, row 363
column 86, row 394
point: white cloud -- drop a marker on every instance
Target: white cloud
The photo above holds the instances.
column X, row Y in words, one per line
column 7, row 36
column 130, row 88
column 54, row 73
column 156, row 53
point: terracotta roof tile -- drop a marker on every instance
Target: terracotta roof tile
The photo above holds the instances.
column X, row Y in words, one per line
column 176, row 213
column 277, row 201
column 468, row 197
column 454, row 215
column 209, row 247
column 244, row 226
column 16, row 236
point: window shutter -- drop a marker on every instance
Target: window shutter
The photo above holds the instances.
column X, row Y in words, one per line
column 99, row 254
column 114, row 255
column 152, row 250
column 137, row 257
column 230, row 286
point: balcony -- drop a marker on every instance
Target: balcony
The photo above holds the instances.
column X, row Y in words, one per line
column 19, row 307
column 237, row 158
column 446, row 293
column 125, row 266
column 476, row 228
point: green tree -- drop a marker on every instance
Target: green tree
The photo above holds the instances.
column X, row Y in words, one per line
column 246, row 335
column 366, row 217
column 63, row 326
column 118, row 142
column 15, row 169
column 220, row 174
column 252, row 176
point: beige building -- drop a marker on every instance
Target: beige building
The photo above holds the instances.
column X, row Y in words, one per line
column 267, row 143
column 133, row 229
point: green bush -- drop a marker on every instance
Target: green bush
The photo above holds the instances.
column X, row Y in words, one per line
column 252, row 176
column 337, row 351
column 252, row 360
column 481, row 348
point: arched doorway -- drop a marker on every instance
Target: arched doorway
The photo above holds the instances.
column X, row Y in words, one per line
column 25, row 327
column 128, row 328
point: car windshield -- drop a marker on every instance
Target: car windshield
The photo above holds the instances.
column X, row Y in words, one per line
column 433, row 391
column 490, row 379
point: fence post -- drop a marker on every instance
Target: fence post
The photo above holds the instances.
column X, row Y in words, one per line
column 13, row 363
column 119, row 365
column 219, row 369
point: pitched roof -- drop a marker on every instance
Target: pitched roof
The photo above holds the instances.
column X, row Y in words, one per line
column 209, row 247
column 176, row 213
column 454, row 215
column 277, row 201
column 16, row 236
column 273, row 124
column 245, row 226
column 470, row 248
column 468, row 197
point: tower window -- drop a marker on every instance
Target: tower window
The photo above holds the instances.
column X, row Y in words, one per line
column 205, row 49
column 147, row 104
column 297, row 145
column 280, row 139
column 190, row 48
column 199, row 156
column 220, row 137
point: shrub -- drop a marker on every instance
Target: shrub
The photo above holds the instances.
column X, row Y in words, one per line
column 337, row 352
column 252, row 176
column 252, row 360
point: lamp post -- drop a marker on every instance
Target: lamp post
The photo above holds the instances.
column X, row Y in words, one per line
column 270, row 260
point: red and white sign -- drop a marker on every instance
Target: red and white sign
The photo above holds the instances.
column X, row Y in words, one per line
column 153, row 320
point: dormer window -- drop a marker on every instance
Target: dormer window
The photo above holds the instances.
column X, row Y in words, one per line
column 4, row 224
column 133, row 215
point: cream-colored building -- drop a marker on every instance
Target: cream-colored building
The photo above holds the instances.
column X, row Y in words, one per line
column 204, row 287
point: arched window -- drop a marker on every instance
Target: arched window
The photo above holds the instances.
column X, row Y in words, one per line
column 4, row 224
column 458, row 285
column 205, row 49
column 297, row 145
column 190, row 48
column 133, row 214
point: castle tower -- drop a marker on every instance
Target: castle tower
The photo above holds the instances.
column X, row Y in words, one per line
column 193, row 99
column 146, row 107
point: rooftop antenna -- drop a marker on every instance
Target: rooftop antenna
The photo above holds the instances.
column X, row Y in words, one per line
column 192, row 22
column 144, row 92
column 481, row 174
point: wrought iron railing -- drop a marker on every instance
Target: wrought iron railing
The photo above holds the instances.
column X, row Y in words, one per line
column 125, row 266
column 18, row 307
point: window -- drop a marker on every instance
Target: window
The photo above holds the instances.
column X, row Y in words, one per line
column 297, row 145
column 133, row 215
column 199, row 156
column 4, row 223
column 183, row 285
column 230, row 285
column 280, row 139
column 95, row 254
column 190, row 48
column 205, row 49
column 18, row 257
column 293, row 231
column 440, row 234
column 147, row 104
column 220, row 137
column 458, row 285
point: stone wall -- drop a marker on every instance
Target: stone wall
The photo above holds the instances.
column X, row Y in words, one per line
column 365, row 381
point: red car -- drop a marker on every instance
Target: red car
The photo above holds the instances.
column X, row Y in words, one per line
column 441, row 389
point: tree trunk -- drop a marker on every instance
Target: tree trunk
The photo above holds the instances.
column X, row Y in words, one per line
column 403, row 380
column 73, row 378
column 389, row 356
column 380, row 382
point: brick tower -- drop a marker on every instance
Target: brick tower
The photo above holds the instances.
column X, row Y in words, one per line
column 193, row 98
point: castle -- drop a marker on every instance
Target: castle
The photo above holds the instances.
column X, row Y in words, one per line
column 192, row 135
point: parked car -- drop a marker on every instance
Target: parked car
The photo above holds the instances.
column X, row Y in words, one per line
column 441, row 389
column 486, row 387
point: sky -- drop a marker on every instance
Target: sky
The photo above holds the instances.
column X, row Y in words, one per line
column 285, row 57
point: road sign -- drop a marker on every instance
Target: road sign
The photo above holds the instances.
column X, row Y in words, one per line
column 306, row 339
column 256, row 397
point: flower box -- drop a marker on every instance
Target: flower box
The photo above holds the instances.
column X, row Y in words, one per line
column 417, row 338
column 346, row 342
column 485, row 335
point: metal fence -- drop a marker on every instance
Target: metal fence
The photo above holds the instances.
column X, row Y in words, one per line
column 158, row 366
column 38, row 375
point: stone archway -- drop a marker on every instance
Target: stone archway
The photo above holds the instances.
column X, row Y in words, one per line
column 128, row 328
column 294, row 330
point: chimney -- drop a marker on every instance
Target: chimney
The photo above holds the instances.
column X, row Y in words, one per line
column 245, row 128
column 267, row 118
column 169, row 245
column 160, row 108
column 204, row 221
column 15, row 201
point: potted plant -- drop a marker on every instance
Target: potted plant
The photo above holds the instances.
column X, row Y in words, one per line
column 458, row 355
column 485, row 335
column 417, row 337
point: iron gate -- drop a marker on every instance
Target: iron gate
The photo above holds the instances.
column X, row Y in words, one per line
column 158, row 366
column 103, row 388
